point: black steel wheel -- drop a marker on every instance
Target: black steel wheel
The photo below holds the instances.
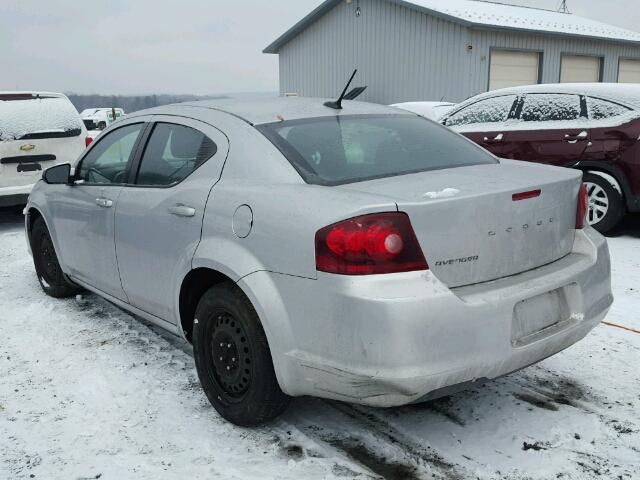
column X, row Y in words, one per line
column 52, row 280
column 233, row 359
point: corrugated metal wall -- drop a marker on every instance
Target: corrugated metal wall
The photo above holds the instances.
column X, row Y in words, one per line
column 405, row 55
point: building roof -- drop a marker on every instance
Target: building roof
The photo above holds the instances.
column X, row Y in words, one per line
column 276, row 109
column 488, row 15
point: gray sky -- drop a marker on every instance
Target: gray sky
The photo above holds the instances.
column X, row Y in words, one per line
column 188, row 46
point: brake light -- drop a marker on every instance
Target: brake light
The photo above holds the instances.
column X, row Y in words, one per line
column 88, row 141
column 583, row 206
column 370, row 244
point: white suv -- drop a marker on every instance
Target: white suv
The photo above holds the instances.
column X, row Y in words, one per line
column 37, row 130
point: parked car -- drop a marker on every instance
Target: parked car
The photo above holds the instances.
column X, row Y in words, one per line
column 357, row 254
column 430, row 110
column 100, row 118
column 37, row 130
column 591, row 127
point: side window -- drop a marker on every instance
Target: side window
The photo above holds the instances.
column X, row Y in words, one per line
column 600, row 109
column 550, row 108
column 491, row 110
column 107, row 161
column 172, row 154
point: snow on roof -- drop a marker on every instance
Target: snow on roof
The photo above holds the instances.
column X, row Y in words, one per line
column 488, row 15
column 498, row 15
column 625, row 93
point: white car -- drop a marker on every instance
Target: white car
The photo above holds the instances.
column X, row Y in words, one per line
column 431, row 110
column 37, row 130
column 100, row 118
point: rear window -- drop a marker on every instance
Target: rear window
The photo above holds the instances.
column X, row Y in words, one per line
column 25, row 117
column 346, row 149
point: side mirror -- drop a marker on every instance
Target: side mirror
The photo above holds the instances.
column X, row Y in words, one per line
column 58, row 175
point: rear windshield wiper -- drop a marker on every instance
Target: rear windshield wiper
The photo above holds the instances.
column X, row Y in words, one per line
column 57, row 133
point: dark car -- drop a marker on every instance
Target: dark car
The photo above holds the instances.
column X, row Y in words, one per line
column 591, row 127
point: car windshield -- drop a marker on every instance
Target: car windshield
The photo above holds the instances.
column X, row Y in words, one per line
column 346, row 149
column 32, row 117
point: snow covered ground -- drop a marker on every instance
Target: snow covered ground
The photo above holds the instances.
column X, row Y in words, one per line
column 87, row 391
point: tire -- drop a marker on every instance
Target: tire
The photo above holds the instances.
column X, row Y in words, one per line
column 102, row 125
column 606, row 205
column 52, row 280
column 233, row 359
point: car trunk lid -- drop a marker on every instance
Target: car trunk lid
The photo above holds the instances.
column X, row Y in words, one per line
column 473, row 226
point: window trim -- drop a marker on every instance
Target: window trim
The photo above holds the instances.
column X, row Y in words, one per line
column 130, row 162
column 142, row 148
column 570, row 54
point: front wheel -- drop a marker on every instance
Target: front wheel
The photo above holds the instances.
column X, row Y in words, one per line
column 606, row 205
column 52, row 280
column 233, row 359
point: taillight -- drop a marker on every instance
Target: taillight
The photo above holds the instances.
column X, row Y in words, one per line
column 583, row 206
column 370, row 244
column 88, row 141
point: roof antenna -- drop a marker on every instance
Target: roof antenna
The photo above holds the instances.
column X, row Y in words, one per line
column 337, row 105
column 563, row 8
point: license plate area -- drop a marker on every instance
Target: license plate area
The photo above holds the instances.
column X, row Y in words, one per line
column 540, row 316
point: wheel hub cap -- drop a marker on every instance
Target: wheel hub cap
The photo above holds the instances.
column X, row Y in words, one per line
column 598, row 203
column 231, row 356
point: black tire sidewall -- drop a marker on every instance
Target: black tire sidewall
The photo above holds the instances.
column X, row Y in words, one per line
column 616, row 205
column 264, row 399
column 56, row 286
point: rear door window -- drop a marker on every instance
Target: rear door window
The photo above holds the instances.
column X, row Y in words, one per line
column 551, row 108
column 173, row 152
column 107, row 162
column 491, row 110
column 32, row 117
column 601, row 109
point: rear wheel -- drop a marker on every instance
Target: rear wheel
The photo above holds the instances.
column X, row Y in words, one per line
column 606, row 206
column 233, row 359
column 52, row 280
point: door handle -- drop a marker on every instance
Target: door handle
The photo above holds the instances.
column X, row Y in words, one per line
column 182, row 211
column 575, row 138
column 498, row 138
column 104, row 202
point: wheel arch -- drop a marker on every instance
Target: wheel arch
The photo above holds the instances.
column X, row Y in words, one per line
column 605, row 170
column 193, row 286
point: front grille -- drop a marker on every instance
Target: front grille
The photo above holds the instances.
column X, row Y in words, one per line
column 27, row 159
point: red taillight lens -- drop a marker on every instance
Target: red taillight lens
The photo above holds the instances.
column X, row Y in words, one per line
column 583, row 206
column 88, row 141
column 370, row 244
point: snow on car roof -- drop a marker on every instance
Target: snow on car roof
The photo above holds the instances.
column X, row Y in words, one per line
column 288, row 108
column 498, row 15
column 625, row 93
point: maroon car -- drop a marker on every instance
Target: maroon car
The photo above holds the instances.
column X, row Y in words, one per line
column 591, row 127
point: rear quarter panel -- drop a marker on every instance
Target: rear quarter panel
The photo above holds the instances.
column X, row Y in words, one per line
column 286, row 212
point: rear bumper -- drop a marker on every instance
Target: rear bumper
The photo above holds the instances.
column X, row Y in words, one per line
column 387, row 340
column 13, row 196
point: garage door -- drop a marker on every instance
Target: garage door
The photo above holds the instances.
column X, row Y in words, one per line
column 576, row 68
column 511, row 69
column 629, row 71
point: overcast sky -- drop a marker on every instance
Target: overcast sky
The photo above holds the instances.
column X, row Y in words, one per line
column 188, row 46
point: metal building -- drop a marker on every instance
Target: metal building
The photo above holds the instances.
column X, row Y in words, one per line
column 447, row 49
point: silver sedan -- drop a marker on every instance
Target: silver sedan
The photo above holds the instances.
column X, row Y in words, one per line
column 361, row 254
